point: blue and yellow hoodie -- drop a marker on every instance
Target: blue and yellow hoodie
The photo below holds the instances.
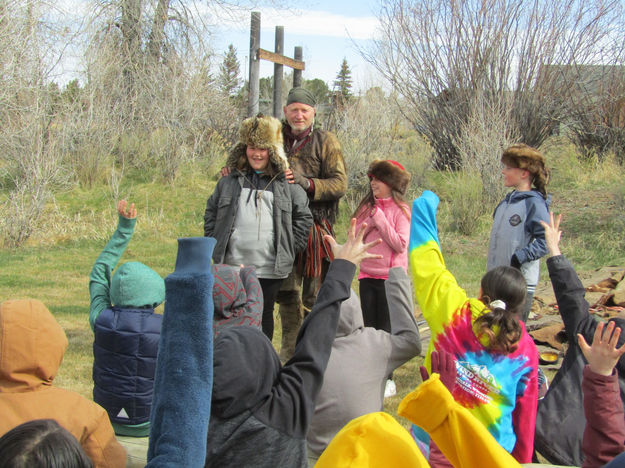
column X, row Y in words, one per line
column 499, row 390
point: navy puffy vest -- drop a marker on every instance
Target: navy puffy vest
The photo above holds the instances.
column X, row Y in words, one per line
column 124, row 351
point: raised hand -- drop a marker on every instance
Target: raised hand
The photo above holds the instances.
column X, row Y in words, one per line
column 443, row 363
column 553, row 233
column 353, row 250
column 130, row 213
column 603, row 355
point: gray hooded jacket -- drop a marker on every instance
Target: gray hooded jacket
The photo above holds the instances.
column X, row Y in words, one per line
column 362, row 359
column 517, row 231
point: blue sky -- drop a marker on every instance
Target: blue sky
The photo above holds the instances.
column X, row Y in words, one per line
column 326, row 30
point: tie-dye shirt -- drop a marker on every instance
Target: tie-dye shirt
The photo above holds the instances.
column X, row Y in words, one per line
column 499, row 390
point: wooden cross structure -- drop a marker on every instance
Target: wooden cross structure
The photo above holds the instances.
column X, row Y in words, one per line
column 257, row 54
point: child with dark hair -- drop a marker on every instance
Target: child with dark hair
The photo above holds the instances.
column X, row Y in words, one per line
column 32, row 345
column 261, row 410
column 387, row 215
column 126, row 331
column 517, row 238
column 497, row 360
column 256, row 216
column 41, row 443
column 563, row 406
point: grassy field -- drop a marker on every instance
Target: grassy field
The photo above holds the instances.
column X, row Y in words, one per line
column 54, row 265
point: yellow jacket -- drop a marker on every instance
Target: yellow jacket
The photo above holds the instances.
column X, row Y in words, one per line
column 378, row 440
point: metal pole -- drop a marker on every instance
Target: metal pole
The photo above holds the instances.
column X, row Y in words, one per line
column 297, row 74
column 277, row 74
column 253, row 83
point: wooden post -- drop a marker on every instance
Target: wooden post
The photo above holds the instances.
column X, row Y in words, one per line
column 253, row 83
column 257, row 54
column 297, row 73
column 277, row 74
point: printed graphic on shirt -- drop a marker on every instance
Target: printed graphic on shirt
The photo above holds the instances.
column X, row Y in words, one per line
column 477, row 381
column 488, row 384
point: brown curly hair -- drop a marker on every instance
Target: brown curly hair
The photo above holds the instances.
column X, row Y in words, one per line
column 501, row 324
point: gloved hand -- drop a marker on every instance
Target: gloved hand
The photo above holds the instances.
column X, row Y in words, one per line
column 514, row 262
column 443, row 363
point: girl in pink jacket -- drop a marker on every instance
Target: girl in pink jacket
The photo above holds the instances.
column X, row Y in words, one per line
column 388, row 218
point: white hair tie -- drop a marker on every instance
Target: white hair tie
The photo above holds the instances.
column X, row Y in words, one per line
column 498, row 304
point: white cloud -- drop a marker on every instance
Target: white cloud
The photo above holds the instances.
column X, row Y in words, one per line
column 321, row 23
column 309, row 23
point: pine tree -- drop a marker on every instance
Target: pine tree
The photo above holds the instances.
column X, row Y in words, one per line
column 229, row 81
column 343, row 83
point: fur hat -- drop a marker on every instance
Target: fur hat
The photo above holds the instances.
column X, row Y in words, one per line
column 525, row 157
column 391, row 173
column 263, row 132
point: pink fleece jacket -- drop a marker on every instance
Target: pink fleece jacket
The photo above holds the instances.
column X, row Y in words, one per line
column 386, row 221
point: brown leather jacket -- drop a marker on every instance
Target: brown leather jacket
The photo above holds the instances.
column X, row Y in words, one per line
column 321, row 160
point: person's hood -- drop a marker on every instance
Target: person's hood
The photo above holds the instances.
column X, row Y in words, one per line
column 237, row 297
column 137, row 285
column 245, row 368
column 32, row 345
column 350, row 319
column 517, row 195
column 375, row 439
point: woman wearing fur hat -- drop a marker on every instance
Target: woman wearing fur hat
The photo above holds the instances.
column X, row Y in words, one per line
column 257, row 217
column 517, row 238
column 388, row 218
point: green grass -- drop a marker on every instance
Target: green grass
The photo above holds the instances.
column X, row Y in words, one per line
column 54, row 264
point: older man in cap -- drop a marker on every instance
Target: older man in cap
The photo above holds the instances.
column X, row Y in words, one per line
column 317, row 164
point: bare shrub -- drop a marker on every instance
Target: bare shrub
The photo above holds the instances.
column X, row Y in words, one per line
column 33, row 135
column 596, row 108
column 481, row 142
column 438, row 54
column 466, row 204
column 161, row 95
column 371, row 127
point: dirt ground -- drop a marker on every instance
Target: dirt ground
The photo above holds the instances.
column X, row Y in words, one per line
column 545, row 313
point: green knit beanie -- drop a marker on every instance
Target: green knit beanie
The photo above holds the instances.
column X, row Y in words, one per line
column 301, row 95
column 137, row 285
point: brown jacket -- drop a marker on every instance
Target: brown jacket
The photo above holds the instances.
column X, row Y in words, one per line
column 321, row 159
column 32, row 345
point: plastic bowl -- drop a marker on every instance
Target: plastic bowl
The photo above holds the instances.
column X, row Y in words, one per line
column 548, row 357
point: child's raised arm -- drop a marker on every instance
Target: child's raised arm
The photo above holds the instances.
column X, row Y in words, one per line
column 603, row 355
column 101, row 273
column 130, row 213
column 605, row 418
column 553, row 234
